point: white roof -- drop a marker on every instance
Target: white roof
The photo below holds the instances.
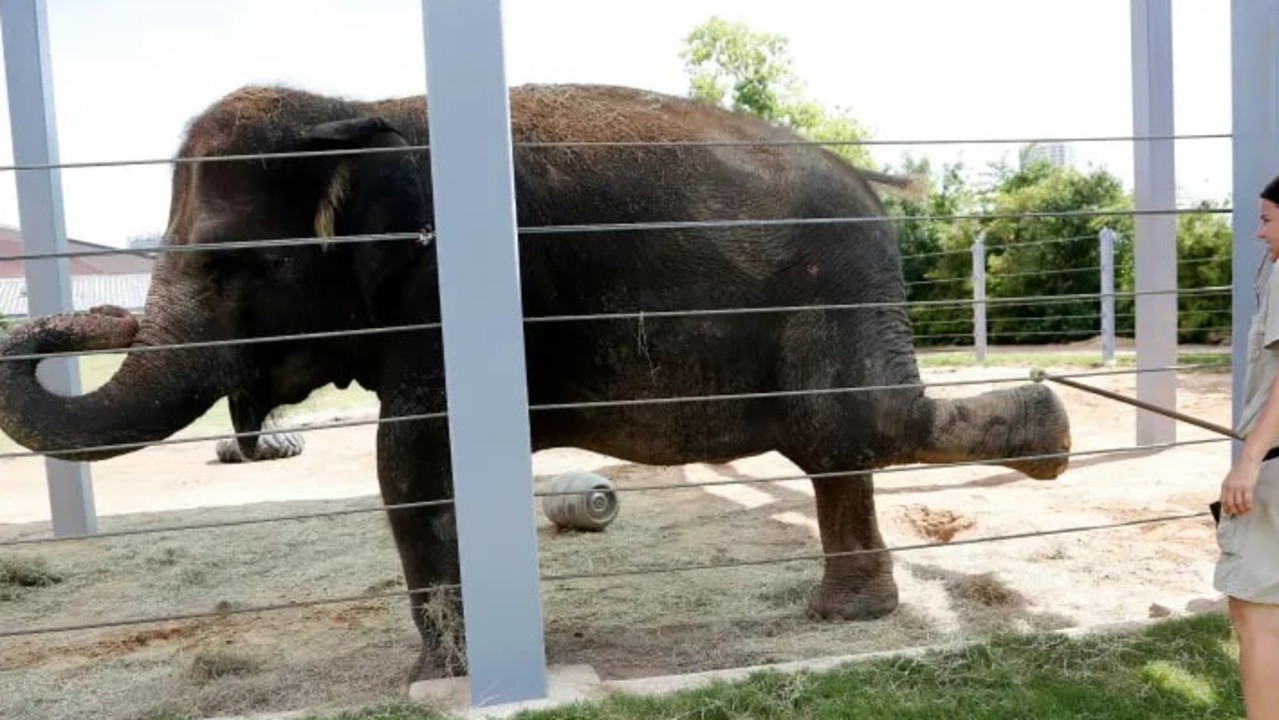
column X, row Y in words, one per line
column 126, row 291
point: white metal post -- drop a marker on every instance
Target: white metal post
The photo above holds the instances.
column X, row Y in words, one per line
column 979, row 298
column 1155, row 240
column 483, row 326
column 1107, row 252
column 1254, row 58
column 34, row 134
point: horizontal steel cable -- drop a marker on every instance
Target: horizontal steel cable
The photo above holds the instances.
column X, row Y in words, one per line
column 215, row 524
column 939, row 253
column 724, row 224
column 225, row 246
column 895, row 469
column 334, row 425
column 252, row 340
column 1001, row 246
column 632, row 315
column 593, row 144
column 1019, row 300
column 1036, row 243
column 770, row 394
column 1039, row 273
column 809, row 557
column 221, row 612
column 992, row 334
column 1029, row 318
column 1047, row 318
column 784, row 222
column 936, row 281
column 599, row 404
column 1012, row 246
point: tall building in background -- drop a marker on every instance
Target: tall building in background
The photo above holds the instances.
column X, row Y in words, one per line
column 1059, row 154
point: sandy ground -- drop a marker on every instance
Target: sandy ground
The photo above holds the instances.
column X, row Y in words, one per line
column 626, row 627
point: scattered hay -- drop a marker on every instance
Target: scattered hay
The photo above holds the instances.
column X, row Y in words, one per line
column 207, row 667
column 787, row 594
column 441, row 611
column 18, row 574
column 986, row 590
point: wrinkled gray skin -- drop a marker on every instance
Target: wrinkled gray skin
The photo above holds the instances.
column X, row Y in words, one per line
column 291, row 289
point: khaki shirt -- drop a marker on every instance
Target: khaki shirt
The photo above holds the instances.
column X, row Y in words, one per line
column 1263, row 353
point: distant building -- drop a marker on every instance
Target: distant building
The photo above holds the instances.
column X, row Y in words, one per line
column 1059, row 154
column 121, row 278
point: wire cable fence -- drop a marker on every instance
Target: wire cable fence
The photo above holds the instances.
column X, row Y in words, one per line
column 564, row 577
column 1017, row 270
column 598, row 574
column 259, row 157
column 1067, row 302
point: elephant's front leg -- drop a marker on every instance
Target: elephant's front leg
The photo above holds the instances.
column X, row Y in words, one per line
column 413, row 467
column 855, row 585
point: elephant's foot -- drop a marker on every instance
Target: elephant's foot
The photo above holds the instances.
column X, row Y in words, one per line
column 846, row 599
column 443, row 653
column 857, row 582
column 1001, row 427
column 276, row 446
column 435, row 664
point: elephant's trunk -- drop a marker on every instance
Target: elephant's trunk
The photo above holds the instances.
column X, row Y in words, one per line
column 1027, row 420
column 153, row 395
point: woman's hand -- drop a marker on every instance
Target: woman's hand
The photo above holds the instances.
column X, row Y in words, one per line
column 1236, row 489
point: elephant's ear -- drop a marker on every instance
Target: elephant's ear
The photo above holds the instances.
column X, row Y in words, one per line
column 373, row 193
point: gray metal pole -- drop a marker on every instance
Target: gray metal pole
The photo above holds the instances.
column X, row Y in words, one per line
column 980, row 346
column 1254, row 58
column 1155, row 241
column 34, row 134
column 1107, row 251
column 483, row 328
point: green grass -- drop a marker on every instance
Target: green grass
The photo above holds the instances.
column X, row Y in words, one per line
column 1180, row 668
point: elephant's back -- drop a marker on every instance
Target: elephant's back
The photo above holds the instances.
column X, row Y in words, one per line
column 588, row 127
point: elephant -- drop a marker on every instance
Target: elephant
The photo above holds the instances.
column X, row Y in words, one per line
column 726, row 316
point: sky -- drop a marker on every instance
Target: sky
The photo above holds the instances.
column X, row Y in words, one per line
column 128, row 74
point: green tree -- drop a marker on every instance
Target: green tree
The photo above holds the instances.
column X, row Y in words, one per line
column 1054, row 255
column 1204, row 249
column 731, row 65
column 936, row 253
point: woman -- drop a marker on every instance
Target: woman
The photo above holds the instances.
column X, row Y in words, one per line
column 1248, row 531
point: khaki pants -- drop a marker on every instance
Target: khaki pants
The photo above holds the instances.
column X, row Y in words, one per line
column 1248, row 568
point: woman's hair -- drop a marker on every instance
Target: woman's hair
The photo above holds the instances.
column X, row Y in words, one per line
column 1271, row 191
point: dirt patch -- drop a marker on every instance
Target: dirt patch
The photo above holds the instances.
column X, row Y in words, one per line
column 938, row 525
column 653, row 622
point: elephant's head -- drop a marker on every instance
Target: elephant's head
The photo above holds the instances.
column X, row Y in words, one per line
column 228, row 293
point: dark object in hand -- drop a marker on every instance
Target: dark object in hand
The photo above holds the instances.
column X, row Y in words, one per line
column 1215, row 507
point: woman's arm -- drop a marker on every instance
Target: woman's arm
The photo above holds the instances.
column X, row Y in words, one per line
column 1236, row 489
